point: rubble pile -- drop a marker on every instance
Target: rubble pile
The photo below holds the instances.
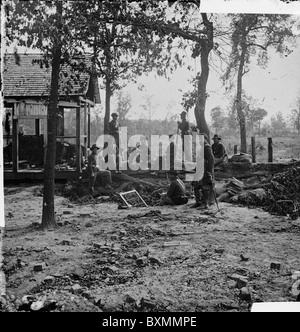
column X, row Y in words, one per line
column 283, row 193
column 280, row 195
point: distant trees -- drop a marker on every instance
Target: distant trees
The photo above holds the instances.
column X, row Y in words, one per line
column 124, row 104
column 295, row 115
column 252, row 35
column 218, row 118
column 278, row 124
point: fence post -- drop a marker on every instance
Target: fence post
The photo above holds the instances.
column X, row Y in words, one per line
column 253, row 149
column 270, row 150
column 235, row 149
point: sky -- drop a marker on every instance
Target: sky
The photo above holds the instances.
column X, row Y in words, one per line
column 275, row 87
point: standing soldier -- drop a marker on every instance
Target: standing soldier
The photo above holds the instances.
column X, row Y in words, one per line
column 183, row 126
column 203, row 189
column 114, row 132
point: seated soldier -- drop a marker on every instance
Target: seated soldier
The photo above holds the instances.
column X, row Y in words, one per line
column 218, row 150
column 176, row 194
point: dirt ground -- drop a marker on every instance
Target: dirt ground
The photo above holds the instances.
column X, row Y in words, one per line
column 161, row 259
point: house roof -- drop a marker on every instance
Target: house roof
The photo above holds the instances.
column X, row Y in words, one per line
column 27, row 78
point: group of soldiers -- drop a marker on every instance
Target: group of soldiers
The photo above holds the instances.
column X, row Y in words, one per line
column 204, row 190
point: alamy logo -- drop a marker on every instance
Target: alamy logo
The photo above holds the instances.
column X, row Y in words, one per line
column 160, row 152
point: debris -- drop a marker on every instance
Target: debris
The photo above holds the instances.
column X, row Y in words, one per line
column 241, row 281
column 99, row 245
column 87, row 294
column 275, row 265
column 67, row 211
column 61, row 223
column 154, row 260
column 130, row 299
column 76, row 289
column 78, row 273
column 66, row 242
column 39, row 266
column 296, row 275
column 244, row 258
column 141, row 261
column 219, row 250
column 245, row 294
column 38, row 305
column 113, row 268
column 175, row 243
column 49, row 280
column 296, row 288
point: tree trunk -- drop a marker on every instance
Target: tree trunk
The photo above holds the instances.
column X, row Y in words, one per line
column 206, row 47
column 240, row 113
column 107, row 105
column 48, row 214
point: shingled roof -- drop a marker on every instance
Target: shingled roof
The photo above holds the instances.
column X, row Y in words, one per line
column 27, row 78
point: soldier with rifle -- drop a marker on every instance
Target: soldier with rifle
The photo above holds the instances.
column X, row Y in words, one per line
column 204, row 189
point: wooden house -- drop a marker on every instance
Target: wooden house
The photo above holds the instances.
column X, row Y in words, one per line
column 26, row 88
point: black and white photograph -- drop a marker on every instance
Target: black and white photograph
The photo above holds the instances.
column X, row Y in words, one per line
column 150, row 163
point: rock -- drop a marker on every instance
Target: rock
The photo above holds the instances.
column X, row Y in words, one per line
column 219, row 250
column 241, row 281
column 76, row 289
column 123, row 233
column 154, row 260
column 39, row 266
column 135, row 256
column 114, row 237
column 85, row 215
column 130, row 299
column 113, row 268
column 145, row 303
column 66, row 242
column 245, row 294
column 38, row 305
column 141, row 261
column 49, row 280
column 275, row 265
column 27, row 299
column 102, row 260
column 19, row 248
column 61, row 223
column 20, row 263
column 296, row 275
column 87, row 294
column 67, row 211
column 98, row 245
column 244, row 257
column 296, row 288
column 2, row 302
column 78, row 273
column 88, row 224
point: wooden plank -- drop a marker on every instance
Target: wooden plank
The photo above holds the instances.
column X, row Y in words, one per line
column 26, row 117
column 132, row 198
column 67, row 104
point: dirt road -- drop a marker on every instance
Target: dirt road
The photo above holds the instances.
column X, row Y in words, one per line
column 145, row 259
